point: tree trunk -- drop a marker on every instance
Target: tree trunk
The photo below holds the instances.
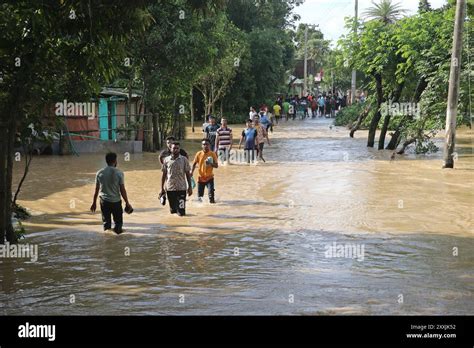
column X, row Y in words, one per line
column 395, row 140
column 156, row 134
column 405, row 145
column 10, row 233
column 361, row 117
column 148, row 136
column 453, row 89
column 378, row 114
column 3, row 179
column 211, row 99
column 28, row 158
column 386, row 121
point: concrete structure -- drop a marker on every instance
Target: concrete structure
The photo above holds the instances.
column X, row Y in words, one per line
column 101, row 146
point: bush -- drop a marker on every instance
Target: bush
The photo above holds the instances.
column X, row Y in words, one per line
column 20, row 231
column 348, row 115
column 20, row 212
column 236, row 118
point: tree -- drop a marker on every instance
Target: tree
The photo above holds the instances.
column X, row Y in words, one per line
column 168, row 58
column 263, row 68
column 385, row 11
column 49, row 50
column 229, row 46
column 412, row 60
column 424, row 6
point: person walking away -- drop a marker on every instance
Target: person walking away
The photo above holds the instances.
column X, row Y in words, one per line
column 280, row 101
column 314, row 108
column 249, row 136
column 252, row 112
column 304, row 108
column 262, row 134
column 206, row 160
column 176, row 175
column 271, row 118
column 109, row 187
column 344, row 101
column 286, row 109
column 294, row 104
column 224, row 141
column 277, row 111
column 321, row 105
column 206, row 123
column 264, row 121
column 333, row 106
column 327, row 104
column 211, row 133
column 167, row 152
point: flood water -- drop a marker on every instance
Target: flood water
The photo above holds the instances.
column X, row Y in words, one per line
column 262, row 248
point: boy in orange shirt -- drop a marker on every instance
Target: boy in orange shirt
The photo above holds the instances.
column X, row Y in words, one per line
column 207, row 161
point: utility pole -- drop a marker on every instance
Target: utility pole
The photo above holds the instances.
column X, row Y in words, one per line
column 305, row 83
column 305, row 59
column 354, row 73
column 453, row 91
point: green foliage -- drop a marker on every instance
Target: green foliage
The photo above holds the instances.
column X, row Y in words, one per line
column 238, row 119
column 64, row 51
column 227, row 46
column 424, row 6
column 20, row 212
column 385, row 11
column 129, row 131
column 348, row 116
column 263, row 67
column 20, row 231
column 267, row 68
column 409, row 53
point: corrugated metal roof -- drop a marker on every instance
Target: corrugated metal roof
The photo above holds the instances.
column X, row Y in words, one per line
column 119, row 92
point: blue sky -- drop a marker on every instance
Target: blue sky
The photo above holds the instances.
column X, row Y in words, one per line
column 329, row 14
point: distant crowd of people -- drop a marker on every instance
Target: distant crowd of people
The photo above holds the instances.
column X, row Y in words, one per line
column 311, row 106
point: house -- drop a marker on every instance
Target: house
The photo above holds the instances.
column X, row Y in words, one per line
column 110, row 113
column 103, row 124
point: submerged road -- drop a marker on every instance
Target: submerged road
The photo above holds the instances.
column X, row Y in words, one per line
column 326, row 226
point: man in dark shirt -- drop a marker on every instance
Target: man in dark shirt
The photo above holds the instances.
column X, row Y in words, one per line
column 249, row 137
column 167, row 152
column 211, row 133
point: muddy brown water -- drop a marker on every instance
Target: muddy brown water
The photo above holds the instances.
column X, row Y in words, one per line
column 262, row 249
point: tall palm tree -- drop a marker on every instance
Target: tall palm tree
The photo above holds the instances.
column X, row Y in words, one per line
column 385, row 11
